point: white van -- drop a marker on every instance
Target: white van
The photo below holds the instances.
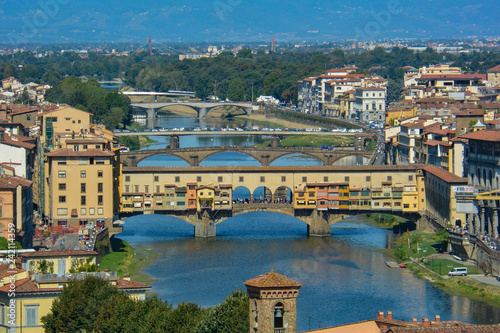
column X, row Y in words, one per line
column 458, row 271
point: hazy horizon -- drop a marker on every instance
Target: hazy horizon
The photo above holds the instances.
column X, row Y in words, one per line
column 60, row 21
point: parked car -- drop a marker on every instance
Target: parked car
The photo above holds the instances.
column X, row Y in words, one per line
column 458, row 271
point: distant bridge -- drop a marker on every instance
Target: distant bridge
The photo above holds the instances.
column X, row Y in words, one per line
column 170, row 93
column 233, row 132
column 265, row 156
column 201, row 108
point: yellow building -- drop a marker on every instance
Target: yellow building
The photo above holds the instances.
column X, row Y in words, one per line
column 61, row 261
column 440, row 195
column 79, row 186
column 26, row 296
column 34, row 296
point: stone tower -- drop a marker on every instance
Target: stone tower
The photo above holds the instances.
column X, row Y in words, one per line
column 273, row 303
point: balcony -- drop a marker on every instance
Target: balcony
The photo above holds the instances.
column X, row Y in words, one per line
column 279, row 330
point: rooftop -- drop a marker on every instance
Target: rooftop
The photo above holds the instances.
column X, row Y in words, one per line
column 272, row 280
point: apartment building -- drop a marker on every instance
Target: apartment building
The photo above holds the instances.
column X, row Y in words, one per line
column 16, row 208
column 79, row 185
column 370, row 104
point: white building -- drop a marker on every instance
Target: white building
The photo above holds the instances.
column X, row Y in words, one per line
column 370, row 104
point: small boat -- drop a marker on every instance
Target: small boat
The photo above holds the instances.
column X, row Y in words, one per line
column 457, row 258
column 391, row 264
column 402, row 265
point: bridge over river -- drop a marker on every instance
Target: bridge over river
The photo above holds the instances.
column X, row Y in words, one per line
column 264, row 155
column 318, row 195
column 201, row 108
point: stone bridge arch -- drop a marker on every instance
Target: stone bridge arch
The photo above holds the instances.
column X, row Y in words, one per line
column 204, row 111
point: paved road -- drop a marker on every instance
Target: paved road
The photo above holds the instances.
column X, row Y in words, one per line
column 486, row 279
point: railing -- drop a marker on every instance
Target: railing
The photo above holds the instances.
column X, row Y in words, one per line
column 77, row 276
column 279, row 330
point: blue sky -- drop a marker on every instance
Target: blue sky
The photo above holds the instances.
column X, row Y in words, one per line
column 244, row 20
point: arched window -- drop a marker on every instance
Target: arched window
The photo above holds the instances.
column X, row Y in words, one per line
column 490, row 178
column 279, row 313
column 485, row 181
column 1, row 207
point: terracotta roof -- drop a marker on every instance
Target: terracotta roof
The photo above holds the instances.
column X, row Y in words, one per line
column 125, row 284
column 18, row 141
column 425, row 77
column 436, row 143
column 38, row 254
column 272, row 280
column 470, row 113
column 70, row 153
column 456, row 328
column 12, row 181
column 490, row 105
column 6, row 270
column 65, row 108
column 28, row 286
column 486, row 135
column 435, row 100
column 495, row 69
column 444, row 175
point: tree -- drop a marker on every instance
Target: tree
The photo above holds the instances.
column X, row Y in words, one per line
column 79, row 265
column 79, row 305
column 4, row 244
column 236, row 90
column 42, row 266
column 230, row 316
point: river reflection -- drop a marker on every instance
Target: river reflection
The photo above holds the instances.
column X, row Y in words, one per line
column 344, row 277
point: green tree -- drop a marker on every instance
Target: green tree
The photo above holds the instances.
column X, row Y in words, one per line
column 231, row 316
column 42, row 266
column 236, row 90
column 79, row 265
column 4, row 244
column 79, row 305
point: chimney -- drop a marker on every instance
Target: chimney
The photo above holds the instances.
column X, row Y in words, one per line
column 389, row 315
column 380, row 315
column 437, row 319
column 126, row 277
column 414, row 320
column 425, row 322
column 433, row 323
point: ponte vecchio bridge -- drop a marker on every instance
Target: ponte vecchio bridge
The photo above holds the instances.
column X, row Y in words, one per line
column 264, row 155
column 317, row 195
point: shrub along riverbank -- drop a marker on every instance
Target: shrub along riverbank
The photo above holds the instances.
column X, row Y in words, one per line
column 420, row 251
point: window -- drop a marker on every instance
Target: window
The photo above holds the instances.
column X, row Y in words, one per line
column 100, row 211
column 62, row 199
column 127, row 178
column 2, row 314
column 198, row 179
column 127, row 188
column 83, row 161
column 410, row 178
column 146, row 188
column 346, row 179
column 99, row 187
column 99, row 160
column 100, row 200
column 242, row 179
column 157, row 188
column 136, row 188
column 262, row 179
column 91, row 211
column 28, row 118
column 79, row 121
column 368, row 178
column 62, row 211
column 83, row 200
column 62, row 174
column 304, row 179
column 389, row 178
column 61, row 163
column 219, row 179
column 83, row 187
column 325, row 179
column 83, row 174
column 156, row 178
column 31, row 315
column 99, row 174
column 177, row 179
column 62, row 186
column 83, row 211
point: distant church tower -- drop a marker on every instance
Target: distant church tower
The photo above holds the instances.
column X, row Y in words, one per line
column 273, row 303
